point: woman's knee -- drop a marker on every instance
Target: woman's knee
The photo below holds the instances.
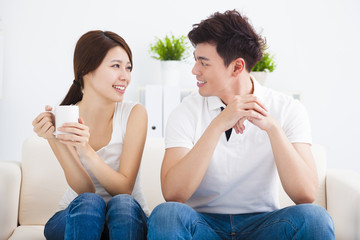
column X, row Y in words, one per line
column 124, row 205
column 87, row 202
column 123, row 202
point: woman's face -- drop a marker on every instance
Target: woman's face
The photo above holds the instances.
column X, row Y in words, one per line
column 112, row 77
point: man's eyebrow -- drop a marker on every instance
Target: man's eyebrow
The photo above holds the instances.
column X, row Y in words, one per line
column 201, row 58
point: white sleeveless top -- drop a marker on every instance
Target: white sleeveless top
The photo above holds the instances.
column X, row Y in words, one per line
column 110, row 154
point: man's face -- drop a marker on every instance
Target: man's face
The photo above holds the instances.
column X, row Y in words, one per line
column 214, row 79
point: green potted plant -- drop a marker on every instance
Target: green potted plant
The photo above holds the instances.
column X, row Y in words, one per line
column 171, row 51
column 263, row 67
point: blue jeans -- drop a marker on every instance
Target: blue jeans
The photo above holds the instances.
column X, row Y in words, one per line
column 173, row 220
column 89, row 217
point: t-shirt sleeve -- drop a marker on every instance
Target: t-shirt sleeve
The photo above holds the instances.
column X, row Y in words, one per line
column 180, row 128
column 297, row 124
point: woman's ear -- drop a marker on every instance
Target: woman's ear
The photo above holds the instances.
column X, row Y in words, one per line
column 238, row 66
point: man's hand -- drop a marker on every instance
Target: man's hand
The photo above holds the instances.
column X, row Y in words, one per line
column 239, row 110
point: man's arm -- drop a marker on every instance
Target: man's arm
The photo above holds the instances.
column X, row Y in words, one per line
column 296, row 167
column 294, row 162
column 183, row 169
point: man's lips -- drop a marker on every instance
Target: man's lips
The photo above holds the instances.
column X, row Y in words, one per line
column 200, row 83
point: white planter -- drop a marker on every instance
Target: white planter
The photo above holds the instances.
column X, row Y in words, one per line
column 260, row 76
column 171, row 72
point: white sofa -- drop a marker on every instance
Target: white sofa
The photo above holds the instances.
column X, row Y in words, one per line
column 30, row 190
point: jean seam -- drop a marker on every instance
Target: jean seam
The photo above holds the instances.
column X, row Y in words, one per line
column 265, row 226
column 206, row 224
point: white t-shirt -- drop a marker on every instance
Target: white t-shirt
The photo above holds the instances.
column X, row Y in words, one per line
column 110, row 154
column 242, row 175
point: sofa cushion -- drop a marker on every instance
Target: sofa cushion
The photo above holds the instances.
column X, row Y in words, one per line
column 28, row 232
column 150, row 171
column 43, row 183
column 10, row 179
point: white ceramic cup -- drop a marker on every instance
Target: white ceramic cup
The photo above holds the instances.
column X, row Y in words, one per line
column 65, row 114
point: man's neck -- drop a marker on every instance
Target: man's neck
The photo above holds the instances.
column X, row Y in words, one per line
column 240, row 87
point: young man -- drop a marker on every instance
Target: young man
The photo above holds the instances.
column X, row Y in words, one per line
column 227, row 146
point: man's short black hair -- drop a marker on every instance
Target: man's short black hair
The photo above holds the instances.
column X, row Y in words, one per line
column 232, row 35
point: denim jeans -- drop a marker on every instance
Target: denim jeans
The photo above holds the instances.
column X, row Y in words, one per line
column 178, row 221
column 88, row 217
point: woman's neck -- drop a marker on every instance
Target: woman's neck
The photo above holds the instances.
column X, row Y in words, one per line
column 96, row 113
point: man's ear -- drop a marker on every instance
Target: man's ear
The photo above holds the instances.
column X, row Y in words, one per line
column 238, row 66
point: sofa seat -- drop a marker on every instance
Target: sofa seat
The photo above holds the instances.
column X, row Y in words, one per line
column 31, row 189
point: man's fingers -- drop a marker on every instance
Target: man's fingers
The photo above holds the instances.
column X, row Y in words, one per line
column 252, row 98
column 254, row 106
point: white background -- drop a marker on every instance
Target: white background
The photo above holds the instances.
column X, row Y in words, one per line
column 316, row 43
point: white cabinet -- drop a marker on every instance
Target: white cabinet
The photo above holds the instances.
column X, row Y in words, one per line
column 1, row 62
column 160, row 101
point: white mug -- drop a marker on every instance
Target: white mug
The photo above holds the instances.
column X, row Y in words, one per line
column 65, row 114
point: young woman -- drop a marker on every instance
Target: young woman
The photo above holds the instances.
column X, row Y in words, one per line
column 101, row 156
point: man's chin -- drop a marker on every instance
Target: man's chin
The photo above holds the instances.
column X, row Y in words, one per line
column 204, row 94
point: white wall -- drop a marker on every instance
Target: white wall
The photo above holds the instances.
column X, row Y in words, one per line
column 316, row 45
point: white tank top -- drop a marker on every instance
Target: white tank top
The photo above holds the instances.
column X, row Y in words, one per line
column 110, row 154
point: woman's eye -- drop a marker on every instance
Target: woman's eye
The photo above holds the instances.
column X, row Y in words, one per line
column 116, row 65
column 129, row 68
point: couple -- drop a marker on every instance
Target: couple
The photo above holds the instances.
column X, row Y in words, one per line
column 225, row 148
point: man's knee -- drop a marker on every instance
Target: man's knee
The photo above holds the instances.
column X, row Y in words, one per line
column 316, row 220
column 169, row 210
column 314, row 213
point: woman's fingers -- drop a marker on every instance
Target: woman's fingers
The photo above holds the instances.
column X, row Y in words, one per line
column 40, row 127
column 40, row 117
column 48, row 108
column 75, row 125
column 81, row 120
column 75, row 131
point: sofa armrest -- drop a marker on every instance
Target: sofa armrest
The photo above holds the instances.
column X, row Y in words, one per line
column 10, row 180
column 343, row 202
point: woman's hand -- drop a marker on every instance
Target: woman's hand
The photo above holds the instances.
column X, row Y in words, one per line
column 78, row 136
column 44, row 124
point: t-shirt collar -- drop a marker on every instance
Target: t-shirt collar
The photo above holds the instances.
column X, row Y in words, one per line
column 215, row 103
